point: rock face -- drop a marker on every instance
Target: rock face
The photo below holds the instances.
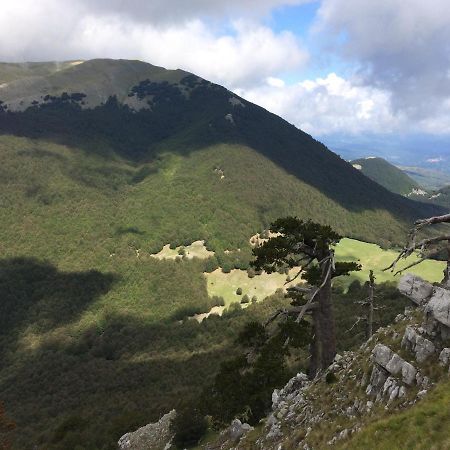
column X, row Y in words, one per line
column 418, row 290
column 439, row 306
column 394, row 364
column 154, row 436
column 416, row 343
column 435, row 302
column 230, row 436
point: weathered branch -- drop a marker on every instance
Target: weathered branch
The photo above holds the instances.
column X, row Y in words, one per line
column 432, row 220
column 410, row 249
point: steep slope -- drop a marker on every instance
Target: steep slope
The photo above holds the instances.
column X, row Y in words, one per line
column 143, row 111
column 390, row 393
column 387, row 175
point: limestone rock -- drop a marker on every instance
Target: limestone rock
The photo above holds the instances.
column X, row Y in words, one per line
column 418, row 290
column 154, row 436
column 444, row 357
column 439, row 306
column 393, row 363
column 417, row 344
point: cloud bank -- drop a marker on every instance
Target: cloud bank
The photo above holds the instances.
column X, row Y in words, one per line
column 395, row 54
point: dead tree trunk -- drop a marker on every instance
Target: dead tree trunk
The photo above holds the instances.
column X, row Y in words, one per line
column 370, row 300
column 326, row 324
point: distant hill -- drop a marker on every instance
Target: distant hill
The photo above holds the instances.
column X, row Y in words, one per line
column 387, row 175
column 104, row 162
column 428, row 178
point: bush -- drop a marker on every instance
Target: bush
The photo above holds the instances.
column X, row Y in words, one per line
column 188, row 427
column 245, row 299
column 239, row 291
column 217, row 301
column 330, row 378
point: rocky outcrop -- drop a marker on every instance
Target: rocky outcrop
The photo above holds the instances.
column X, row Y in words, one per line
column 435, row 302
column 439, row 306
column 154, row 436
column 230, row 436
column 416, row 289
column 394, row 364
column 444, row 357
column 414, row 342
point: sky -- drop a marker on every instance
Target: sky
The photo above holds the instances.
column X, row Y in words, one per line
column 363, row 76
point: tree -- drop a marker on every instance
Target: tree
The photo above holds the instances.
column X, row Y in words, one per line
column 368, row 303
column 426, row 247
column 243, row 387
column 308, row 246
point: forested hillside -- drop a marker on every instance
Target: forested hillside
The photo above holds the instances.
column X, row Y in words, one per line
column 387, row 175
column 102, row 163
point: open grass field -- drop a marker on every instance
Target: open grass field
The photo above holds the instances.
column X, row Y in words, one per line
column 195, row 250
column 261, row 286
column 371, row 256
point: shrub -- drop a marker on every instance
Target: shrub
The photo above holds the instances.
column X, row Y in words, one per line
column 245, row 299
column 330, row 378
column 188, row 427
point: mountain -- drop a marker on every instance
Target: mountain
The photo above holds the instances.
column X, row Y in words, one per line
column 386, row 174
column 104, row 162
column 428, row 178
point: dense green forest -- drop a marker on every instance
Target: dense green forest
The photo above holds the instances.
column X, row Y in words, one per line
column 386, row 174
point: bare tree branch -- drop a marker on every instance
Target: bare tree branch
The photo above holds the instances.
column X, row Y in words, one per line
column 431, row 221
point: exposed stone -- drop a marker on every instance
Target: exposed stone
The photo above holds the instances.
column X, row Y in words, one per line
column 237, row 429
column 154, row 436
column 444, row 357
column 417, row 344
column 382, row 354
column 418, row 290
column 439, row 306
column 394, row 364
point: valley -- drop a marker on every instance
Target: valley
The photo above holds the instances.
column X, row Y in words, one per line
column 123, row 216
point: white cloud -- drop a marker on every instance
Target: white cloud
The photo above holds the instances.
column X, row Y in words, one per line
column 401, row 46
column 176, row 11
column 328, row 105
column 55, row 30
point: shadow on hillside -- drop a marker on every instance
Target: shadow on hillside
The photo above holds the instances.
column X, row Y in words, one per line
column 35, row 294
column 184, row 125
column 106, row 382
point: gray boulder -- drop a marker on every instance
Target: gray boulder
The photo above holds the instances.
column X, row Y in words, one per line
column 393, row 363
column 154, row 436
column 439, row 306
column 417, row 344
column 444, row 357
column 418, row 290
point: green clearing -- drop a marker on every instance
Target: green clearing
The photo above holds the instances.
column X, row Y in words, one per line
column 225, row 285
column 371, row 256
column 195, row 250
